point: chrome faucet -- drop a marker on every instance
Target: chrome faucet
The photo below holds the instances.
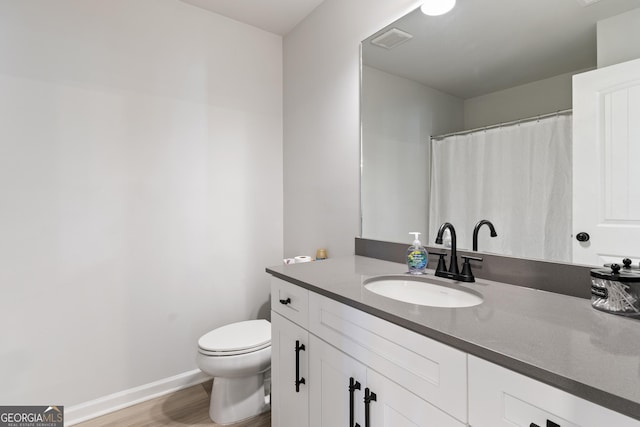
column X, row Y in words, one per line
column 453, row 272
column 477, row 228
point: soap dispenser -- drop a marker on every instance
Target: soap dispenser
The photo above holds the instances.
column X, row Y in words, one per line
column 417, row 256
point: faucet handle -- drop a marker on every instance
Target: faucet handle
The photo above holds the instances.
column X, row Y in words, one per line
column 442, row 266
column 467, row 275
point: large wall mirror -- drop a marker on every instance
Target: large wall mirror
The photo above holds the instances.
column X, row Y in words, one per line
column 470, row 116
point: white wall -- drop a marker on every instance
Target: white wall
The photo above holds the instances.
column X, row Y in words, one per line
column 140, row 190
column 321, row 123
column 554, row 93
column 519, row 102
column 618, row 38
column 398, row 118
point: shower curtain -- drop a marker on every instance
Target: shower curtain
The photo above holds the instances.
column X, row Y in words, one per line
column 518, row 176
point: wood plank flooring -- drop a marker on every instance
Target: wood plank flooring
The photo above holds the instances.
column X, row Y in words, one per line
column 188, row 407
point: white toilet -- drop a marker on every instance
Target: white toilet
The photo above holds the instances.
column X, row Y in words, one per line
column 238, row 356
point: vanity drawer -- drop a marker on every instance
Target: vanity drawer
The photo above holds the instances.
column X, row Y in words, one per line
column 433, row 371
column 500, row 397
column 290, row 301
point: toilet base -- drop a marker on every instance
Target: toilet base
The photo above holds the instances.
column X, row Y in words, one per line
column 236, row 399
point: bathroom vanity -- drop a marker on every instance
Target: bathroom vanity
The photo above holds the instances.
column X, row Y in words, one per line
column 343, row 355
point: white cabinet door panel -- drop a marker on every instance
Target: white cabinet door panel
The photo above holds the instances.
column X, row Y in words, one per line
column 499, row 397
column 397, row 407
column 289, row 407
column 330, row 372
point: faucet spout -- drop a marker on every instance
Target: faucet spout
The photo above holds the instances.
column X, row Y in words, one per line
column 453, row 266
column 476, row 229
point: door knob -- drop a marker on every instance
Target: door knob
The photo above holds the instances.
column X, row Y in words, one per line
column 582, row 237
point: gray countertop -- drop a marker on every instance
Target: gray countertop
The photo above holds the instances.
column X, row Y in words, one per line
column 557, row 339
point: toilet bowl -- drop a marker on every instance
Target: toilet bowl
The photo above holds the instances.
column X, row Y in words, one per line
column 238, row 356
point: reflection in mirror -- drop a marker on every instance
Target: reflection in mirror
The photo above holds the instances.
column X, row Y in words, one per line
column 468, row 116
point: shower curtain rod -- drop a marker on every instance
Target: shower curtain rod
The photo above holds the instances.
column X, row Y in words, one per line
column 514, row 122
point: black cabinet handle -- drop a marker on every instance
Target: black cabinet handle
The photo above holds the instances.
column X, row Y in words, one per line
column 299, row 379
column 369, row 397
column 549, row 424
column 285, row 301
column 353, row 386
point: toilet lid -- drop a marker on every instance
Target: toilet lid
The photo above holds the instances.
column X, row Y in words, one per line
column 240, row 336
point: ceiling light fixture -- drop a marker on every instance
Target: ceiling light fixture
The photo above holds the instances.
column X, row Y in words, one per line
column 437, row 7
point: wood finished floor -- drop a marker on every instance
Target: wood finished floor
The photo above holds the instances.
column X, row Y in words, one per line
column 188, row 407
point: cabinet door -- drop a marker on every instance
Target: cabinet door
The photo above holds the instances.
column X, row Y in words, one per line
column 289, row 366
column 395, row 406
column 500, row 397
column 336, row 389
column 433, row 371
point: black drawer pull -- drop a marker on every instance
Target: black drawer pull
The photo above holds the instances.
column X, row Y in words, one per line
column 353, row 386
column 299, row 380
column 285, row 301
column 549, row 424
column 369, row 397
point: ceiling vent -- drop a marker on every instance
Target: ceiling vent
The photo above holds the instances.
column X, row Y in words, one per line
column 392, row 38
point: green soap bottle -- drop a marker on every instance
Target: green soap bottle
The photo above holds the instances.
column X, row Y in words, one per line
column 417, row 256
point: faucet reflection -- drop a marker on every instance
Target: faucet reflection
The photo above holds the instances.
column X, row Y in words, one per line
column 453, row 266
column 477, row 228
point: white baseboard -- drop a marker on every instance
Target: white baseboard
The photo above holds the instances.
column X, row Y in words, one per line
column 94, row 408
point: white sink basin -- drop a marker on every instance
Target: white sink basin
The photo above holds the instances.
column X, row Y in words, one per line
column 419, row 290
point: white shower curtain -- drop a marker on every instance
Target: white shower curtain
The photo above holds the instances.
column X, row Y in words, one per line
column 517, row 176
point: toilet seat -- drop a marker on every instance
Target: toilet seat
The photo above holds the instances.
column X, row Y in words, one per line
column 237, row 338
column 232, row 353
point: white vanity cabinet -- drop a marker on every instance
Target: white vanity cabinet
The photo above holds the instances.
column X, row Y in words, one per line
column 501, row 397
column 361, row 370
